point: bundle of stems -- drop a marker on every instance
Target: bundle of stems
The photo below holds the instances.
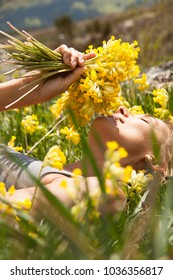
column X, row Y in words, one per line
column 32, row 55
column 99, row 88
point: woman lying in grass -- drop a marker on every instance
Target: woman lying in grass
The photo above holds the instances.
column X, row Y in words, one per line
column 138, row 134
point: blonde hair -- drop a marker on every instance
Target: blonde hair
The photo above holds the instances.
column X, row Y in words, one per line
column 167, row 149
column 165, row 164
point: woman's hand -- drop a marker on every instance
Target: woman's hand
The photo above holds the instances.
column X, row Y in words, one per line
column 55, row 86
column 13, row 92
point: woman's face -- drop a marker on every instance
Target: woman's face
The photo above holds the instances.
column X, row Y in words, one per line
column 133, row 132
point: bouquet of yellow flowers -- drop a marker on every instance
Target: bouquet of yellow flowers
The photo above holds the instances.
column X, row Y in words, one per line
column 99, row 88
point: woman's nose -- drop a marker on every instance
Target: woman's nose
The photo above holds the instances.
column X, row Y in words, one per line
column 123, row 111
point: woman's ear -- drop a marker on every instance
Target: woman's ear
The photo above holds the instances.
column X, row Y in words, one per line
column 155, row 166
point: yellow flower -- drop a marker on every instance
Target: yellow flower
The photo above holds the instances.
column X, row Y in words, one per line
column 30, row 124
column 123, row 153
column 12, row 190
column 127, row 173
column 24, row 205
column 33, row 235
column 93, row 75
column 161, row 113
column 142, row 83
column 112, row 145
column 171, row 118
column 112, row 168
column 114, row 153
column 27, row 203
column 77, row 172
column 2, row 189
column 57, row 108
column 161, row 97
column 71, row 134
column 139, row 180
column 63, row 184
column 11, row 144
column 55, row 158
column 136, row 110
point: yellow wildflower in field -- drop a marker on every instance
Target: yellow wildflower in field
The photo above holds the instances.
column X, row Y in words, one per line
column 99, row 89
column 112, row 168
column 11, row 144
column 112, row 145
column 171, row 118
column 2, row 189
column 139, row 180
column 77, row 172
column 161, row 113
column 136, row 110
column 114, row 153
column 161, row 97
column 63, row 184
column 71, row 134
column 55, row 158
column 57, row 108
column 10, row 209
column 11, row 190
column 142, row 83
column 24, row 205
column 30, row 123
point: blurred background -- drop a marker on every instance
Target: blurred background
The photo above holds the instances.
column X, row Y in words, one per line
column 81, row 23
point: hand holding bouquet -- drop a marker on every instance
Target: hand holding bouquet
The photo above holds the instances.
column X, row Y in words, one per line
column 99, row 88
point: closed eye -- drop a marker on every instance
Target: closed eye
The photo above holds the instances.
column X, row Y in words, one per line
column 145, row 120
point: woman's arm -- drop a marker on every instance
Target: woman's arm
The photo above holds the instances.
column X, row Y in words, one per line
column 12, row 90
column 74, row 192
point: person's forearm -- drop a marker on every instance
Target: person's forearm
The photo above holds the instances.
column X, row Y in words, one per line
column 11, row 90
column 20, row 93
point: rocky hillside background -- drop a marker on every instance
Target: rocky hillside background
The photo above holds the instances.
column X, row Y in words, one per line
column 34, row 14
column 151, row 26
